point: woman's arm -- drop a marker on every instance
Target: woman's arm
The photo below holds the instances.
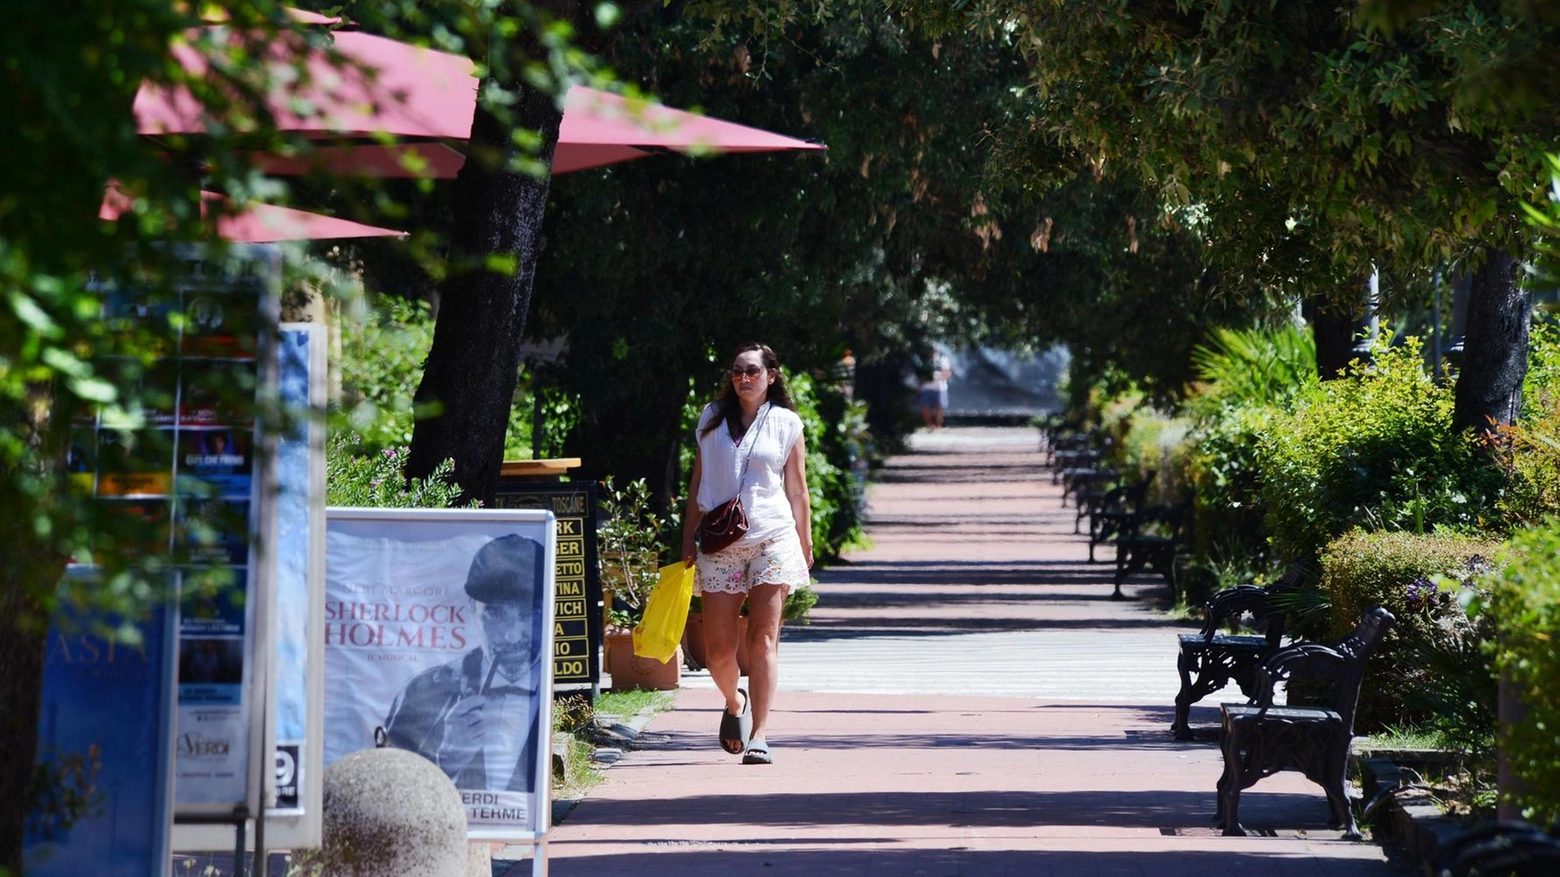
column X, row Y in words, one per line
column 796, row 492
column 690, row 549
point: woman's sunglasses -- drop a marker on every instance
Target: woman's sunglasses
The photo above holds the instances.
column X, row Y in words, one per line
column 752, row 371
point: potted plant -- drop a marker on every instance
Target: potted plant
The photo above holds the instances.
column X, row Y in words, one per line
column 630, row 554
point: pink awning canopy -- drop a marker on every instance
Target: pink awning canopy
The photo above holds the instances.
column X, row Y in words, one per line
column 262, row 223
column 384, row 88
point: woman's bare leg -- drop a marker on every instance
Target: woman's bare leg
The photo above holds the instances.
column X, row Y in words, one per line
column 720, row 642
column 765, row 603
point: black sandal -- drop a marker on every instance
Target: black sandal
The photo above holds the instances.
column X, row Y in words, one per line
column 734, row 729
column 757, row 752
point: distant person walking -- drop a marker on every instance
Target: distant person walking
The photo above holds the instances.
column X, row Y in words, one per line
column 934, row 392
column 750, row 445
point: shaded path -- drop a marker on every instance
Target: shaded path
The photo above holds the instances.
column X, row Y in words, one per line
column 891, row 761
column 977, row 584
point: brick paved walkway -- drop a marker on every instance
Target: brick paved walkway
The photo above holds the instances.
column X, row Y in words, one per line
column 968, row 701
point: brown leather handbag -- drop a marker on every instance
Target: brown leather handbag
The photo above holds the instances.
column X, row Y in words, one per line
column 723, row 525
column 726, row 523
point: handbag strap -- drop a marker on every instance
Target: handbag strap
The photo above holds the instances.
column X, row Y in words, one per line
column 742, row 479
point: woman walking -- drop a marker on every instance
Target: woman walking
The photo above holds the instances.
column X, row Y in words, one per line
column 750, row 446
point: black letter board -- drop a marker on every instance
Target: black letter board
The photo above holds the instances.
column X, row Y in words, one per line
column 577, row 635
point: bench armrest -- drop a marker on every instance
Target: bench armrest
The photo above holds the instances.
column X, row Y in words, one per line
column 1233, row 603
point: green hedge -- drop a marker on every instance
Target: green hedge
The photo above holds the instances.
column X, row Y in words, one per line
column 834, row 429
column 1372, row 449
column 371, row 478
column 1225, row 470
column 1524, row 604
column 1529, row 452
column 1433, row 649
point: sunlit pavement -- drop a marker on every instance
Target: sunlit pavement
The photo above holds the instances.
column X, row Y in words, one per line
column 967, row 701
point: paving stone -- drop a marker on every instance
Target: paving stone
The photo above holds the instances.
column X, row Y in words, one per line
column 968, row 701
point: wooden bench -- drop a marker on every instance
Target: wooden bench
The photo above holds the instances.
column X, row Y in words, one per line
column 1210, row 659
column 1260, row 739
column 1150, row 539
column 1510, row 848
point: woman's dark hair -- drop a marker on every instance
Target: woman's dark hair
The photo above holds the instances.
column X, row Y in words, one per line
column 729, row 409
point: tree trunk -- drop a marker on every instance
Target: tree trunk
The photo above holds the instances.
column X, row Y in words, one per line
column 1333, row 328
column 23, row 628
column 1495, row 347
column 474, row 363
column 638, row 437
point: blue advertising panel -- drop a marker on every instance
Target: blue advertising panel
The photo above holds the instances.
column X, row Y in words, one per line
column 293, row 818
column 105, row 737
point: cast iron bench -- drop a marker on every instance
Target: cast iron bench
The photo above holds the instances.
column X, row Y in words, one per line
column 1261, row 739
column 1114, row 510
column 1082, row 482
column 1071, row 463
column 1210, row 659
column 1053, row 430
column 1150, row 539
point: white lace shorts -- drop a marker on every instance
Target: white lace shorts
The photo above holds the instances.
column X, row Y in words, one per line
column 737, row 569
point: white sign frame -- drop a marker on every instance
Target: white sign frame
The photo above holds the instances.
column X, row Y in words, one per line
column 433, row 524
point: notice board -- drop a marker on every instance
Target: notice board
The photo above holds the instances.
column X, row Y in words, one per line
column 577, row 615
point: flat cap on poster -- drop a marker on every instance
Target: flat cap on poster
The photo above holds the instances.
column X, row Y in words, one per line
column 505, row 570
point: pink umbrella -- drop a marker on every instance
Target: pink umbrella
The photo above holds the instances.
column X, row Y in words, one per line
column 380, row 87
column 262, row 223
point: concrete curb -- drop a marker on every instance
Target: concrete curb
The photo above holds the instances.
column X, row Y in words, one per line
column 622, row 733
column 1404, row 814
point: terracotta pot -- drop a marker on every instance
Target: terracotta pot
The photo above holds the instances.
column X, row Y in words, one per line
column 629, row 671
column 693, row 644
column 698, row 648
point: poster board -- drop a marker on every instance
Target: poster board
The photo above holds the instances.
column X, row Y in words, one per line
column 577, row 632
column 106, row 706
column 439, row 635
column 193, row 463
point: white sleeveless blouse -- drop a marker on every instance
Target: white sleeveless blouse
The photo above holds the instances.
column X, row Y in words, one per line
column 766, row 446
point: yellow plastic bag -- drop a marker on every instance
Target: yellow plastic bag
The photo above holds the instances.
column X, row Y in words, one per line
column 666, row 612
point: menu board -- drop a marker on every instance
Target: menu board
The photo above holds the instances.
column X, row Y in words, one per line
column 577, row 614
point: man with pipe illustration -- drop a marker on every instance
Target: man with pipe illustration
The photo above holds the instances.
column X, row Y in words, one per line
column 474, row 716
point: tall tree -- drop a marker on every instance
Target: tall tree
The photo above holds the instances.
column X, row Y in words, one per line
column 1369, row 148
column 499, row 203
column 906, row 230
column 69, row 88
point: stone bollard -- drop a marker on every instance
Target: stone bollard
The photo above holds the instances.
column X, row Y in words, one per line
column 391, row 813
